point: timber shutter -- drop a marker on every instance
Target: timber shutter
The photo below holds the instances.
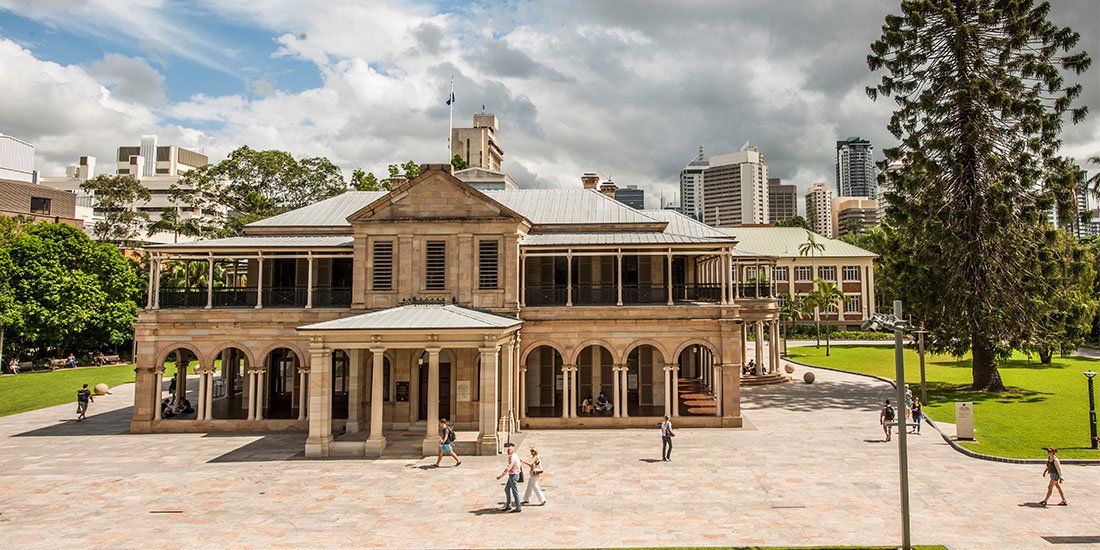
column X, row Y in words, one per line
column 488, row 266
column 435, row 274
column 383, row 266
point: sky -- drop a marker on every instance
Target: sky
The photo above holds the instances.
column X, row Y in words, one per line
column 630, row 91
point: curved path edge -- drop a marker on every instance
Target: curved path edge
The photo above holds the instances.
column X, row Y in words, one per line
column 947, row 438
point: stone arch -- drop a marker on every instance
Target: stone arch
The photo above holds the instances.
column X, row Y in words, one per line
column 645, row 342
column 171, row 348
column 218, row 348
column 535, row 345
column 697, row 341
column 303, row 357
column 574, row 357
column 544, row 399
column 230, row 400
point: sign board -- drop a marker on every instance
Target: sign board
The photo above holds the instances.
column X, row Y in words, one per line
column 462, row 390
column 632, row 380
column 559, row 383
column 964, row 420
column 402, row 392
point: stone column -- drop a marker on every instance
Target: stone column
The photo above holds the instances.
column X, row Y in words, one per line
column 759, row 347
column 569, row 278
column 564, row 391
column 487, row 425
column 615, row 393
column 668, row 390
column 674, row 372
column 252, row 373
column 523, row 392
column 773, row 345
column 309, row 281
column 260, row 281
column 432, row 433
column 668, row 277
column 509, row 384
column 210, row 282
column 181, row 379
column 320, row 402
column 724, row 262
column 158, row 391
column 573, row 401
column 156, row 282
column 624, row 371
column 261, row 394
column 522, row 280
column 619, row 279
column 744, row 342
column 355, row 363
column 303, row 392
column 151, row 288
column 210, row 393
column 376, row 441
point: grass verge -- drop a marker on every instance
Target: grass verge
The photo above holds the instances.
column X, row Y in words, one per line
column 37, row 390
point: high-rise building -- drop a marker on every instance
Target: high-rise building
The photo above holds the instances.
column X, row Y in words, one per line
column 852, row 212
column 691, row 186
column 782, row 200
column 855, row 168
column 16, row 160
column 631, row 196
column 478, row 146
column 735, row 189
column 819, row 208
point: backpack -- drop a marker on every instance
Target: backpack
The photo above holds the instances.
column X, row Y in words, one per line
column 450, row 435
column 888, row 412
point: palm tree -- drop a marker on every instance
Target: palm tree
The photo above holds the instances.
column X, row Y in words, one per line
column 793, row 309
column 171, row 222
column 811, row 247
column 827, row 296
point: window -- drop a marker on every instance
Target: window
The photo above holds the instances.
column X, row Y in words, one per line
column 382, row 278
column 435, row 272
column 852, row 305
column 750, row 273
column 40, row 205
column 851, row 273
column 162, row 170
column 803, row 273
column 826, row 273
column 488, row 264
column 123, row 171
column 780, row 274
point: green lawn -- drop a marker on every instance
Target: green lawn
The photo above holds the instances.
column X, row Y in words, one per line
column 37, row 390
column 915, row 547
column 1046, row 406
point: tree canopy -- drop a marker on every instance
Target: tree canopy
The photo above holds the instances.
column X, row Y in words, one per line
column 980, row 97
column 797, row 221
column 115, row 197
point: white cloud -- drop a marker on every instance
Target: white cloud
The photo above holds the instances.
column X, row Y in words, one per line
column 129, row 78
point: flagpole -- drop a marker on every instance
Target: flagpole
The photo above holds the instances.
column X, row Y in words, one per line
column 450, row 127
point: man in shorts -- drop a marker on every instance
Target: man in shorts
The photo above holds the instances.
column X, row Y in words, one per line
column 446, row 443
column 83, row 397
column 886, row 416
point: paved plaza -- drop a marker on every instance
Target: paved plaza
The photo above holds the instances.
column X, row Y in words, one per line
column 809, row 468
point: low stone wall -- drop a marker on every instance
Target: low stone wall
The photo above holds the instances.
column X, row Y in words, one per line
column 219, row 426
column 633, row 422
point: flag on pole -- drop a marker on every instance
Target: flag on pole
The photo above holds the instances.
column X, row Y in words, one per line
column 451, row 99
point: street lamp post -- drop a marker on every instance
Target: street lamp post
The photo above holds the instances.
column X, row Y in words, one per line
column 1092, row 410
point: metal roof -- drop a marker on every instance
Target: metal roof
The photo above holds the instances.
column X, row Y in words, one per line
column 632, row 238
column 679, row 224
column 419, row 317
column 568, row 206
column 331, row 212
column 275, row 241
column 783, row 242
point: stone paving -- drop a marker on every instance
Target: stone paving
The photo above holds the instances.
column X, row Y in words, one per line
column 810, row 467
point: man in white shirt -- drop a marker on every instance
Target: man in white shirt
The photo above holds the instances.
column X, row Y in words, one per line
column 666, row 439
column 511, row 487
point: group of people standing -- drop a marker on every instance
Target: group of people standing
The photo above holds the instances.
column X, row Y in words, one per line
column 914, row 412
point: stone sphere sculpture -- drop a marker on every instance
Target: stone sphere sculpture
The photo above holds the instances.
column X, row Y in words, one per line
column 808, row 377
column 789, row 368
column 101, row 389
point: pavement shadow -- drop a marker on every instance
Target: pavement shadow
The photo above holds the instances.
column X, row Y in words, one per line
column 801, row 397
column 650, row 460
column 114, row 422
column 268, row 448
column 1031, row 505
column 487, row 511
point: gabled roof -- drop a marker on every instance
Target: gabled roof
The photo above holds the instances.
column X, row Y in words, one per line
column 331, row 212
column 419, row 317
column 569, row 207
column 679, row 224
column 783, row 242
column 440, row 174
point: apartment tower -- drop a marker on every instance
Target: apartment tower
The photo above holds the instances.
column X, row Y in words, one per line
column 856, row 175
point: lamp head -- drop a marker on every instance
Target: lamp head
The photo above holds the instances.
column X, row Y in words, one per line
column 1089, row 374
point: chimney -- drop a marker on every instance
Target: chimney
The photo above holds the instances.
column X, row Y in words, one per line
column 608, row 188
column 590, row 180
column 398, row 180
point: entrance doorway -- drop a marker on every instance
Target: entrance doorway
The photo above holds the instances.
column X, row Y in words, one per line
column 444, row 387
column 282, row 378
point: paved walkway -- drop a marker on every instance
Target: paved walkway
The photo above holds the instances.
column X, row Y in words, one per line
column 809, row 468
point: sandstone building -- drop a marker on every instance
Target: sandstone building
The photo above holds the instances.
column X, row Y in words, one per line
column 366, row 317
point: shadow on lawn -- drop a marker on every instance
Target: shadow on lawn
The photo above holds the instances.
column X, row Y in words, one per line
column 941, row 392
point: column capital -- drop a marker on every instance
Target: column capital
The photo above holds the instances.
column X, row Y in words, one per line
column 489, row 350
column 377, row 350
column 434, row 350
column 301, row 370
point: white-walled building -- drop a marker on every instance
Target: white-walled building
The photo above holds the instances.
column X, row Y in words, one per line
column 16, row 160
column 691, row 186
column 735, row 189
column 863, row 209
column 819, row 208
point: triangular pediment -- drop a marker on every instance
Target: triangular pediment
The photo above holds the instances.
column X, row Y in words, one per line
column 433, row 195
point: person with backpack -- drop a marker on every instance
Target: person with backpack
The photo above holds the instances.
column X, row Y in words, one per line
column 885, row 417
column 83, row 397
column 447, row 439
column 1054, row 468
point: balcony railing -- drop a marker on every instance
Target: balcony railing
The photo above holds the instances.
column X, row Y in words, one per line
column 182, row 297
column 645, row 294
column 595, row 295
column 546, row 295
column 233, row 297
column 332, row 297
column 698, row 292
column 175, row 298
column 751, row 290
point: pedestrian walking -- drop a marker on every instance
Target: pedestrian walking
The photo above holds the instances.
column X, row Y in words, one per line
column 534, row 481
column 918, row 415
column 511, row 487
column 666, row 439
column 885, row 417
column 1054, row 468
column 83, row 397
column 446, row 442
column 908, row 403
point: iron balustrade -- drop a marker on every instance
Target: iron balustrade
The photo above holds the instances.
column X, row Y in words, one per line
column 287, row 296
column 604, row 294
column 332, row 297
column 698, row 292
column 175, row 297
column 546, row 295
column 645, row 294
column 750, row 290
column 234, row 297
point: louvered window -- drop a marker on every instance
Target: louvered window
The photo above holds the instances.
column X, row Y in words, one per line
column 435, row 276
column 488, row 264
column 383, row 266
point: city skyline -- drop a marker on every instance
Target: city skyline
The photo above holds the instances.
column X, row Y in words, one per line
column 212, row 77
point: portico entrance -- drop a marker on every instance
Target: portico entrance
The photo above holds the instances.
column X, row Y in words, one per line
column 444, row 387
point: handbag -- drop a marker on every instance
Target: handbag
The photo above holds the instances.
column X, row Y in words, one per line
column 537, row 470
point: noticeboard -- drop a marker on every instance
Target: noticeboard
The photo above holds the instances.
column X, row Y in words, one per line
column 402, row 392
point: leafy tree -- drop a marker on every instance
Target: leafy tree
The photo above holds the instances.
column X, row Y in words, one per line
column 171, row 222
column 71, row 294
column 980, row 100
column 852, row 226
column 459, row 163
column 824, row 297
column 251, row 185
column 879, row 240
column 1094, row 181
column 810, row 248
column 1064, row 296
column 366, row 181
column 793, row 309
column 797, row 221
column 410, row 170
column 115, row 199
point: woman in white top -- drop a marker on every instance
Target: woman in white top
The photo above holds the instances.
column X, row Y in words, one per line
column 533, row 479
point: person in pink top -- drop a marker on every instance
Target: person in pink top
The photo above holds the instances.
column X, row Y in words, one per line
column 511, row 487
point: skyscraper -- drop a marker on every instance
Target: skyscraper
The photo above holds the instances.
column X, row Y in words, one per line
column 735, row 189
column 782, row 200
column 479, row 146
column 631, row 196
column 856, row 175
column 819, row 208
column 691, row 186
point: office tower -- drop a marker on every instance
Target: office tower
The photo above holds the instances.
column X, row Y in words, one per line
column 856, row 175
column 691, row 186
column 819, row 209
column 782, row 200
column 735, row 189
column 478, row 146
column 852, row 212
column 631, row 196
